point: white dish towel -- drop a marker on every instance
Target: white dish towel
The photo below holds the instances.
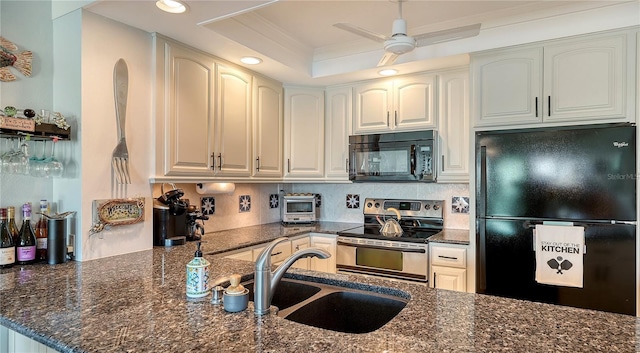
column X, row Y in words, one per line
column 559, row 255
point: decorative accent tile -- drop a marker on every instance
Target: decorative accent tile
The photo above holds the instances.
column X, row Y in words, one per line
column 208, row 205
column 353, row 201
column 460, row 204
column 318, row 198
column 274, row 201
column 245, row 203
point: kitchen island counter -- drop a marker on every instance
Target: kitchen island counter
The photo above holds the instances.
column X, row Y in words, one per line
column 137, row 303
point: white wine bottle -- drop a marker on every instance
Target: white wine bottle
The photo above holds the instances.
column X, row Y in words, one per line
column 26, row 246
column 7, row 248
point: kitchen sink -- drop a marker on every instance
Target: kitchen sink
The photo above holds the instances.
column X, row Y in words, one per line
column 288, row 292
column 347, row 311
column 332, row 307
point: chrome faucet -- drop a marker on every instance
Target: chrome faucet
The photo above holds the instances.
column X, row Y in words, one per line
column 265, row 281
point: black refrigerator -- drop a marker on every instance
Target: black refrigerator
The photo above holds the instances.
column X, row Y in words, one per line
column 582, row 175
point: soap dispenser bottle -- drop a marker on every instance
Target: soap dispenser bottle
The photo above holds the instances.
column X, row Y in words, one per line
column 198, row 275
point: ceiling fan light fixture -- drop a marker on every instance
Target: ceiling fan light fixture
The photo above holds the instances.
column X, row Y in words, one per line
column 172, row 6
column 250, row 60
column 387, row 72
column 400, row 44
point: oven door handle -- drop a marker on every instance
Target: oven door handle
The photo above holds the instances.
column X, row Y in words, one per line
column 421, row 251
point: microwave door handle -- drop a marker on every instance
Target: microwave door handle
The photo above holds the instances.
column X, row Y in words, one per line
column 413, row 159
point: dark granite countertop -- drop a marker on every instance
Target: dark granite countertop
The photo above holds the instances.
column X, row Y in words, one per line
column 451, row 236
column 137, row 303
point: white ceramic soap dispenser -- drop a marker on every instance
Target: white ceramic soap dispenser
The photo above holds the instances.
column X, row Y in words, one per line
column 198, row 275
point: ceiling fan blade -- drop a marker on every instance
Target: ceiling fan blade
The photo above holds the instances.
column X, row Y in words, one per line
column 447, row 35
column 361, row 32
column 388, row 59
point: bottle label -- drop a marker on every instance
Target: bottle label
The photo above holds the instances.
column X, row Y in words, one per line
column 26, row 253
column 41, row 243
column 7, row 255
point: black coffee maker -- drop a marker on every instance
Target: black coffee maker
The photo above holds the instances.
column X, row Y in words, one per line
column 169, row 219
column 194, row 229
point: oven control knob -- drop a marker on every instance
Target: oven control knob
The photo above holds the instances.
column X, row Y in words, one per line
column 427, row 206
column 369, row 205
column 436, row 207
column 377, row 205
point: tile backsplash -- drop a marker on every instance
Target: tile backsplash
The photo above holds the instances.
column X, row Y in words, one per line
column 253, row 204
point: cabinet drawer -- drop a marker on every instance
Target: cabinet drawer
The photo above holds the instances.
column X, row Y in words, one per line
column 450, row 257
column 279, row 253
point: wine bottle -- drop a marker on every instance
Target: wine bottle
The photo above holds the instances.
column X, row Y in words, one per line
column 7, row 248
column 26, row 246
column 42, row 232
column 11, row 223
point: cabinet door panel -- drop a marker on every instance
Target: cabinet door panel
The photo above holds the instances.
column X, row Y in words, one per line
column 268, row 128
column 449, row 278
column 189, row 122
column 453, row 126
column 324, row 265
column 372, row 107
column 414, row 103
column 585, row 79
column 507, row 87
column 304, row 133
column 338, row 119
column 234, row 122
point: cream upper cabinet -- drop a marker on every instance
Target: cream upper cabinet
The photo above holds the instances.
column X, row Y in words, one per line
column 453, row 126
column 233, row 125
column 337, row 123
column 185, row 100
column 402, row 104
column 304, row 132
column 508, row 87
column 588, row 79
column 268, row 129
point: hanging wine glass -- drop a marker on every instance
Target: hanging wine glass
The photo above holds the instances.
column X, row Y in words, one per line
column 5, row 158
column 37, row 163
column 20, row 159
column 54, row 167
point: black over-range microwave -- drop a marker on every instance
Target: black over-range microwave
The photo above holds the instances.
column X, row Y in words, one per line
column 399, row 156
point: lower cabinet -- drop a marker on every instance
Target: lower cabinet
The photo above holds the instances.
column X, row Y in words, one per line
column 448, row 266
column 13, row 342
column 283, row 250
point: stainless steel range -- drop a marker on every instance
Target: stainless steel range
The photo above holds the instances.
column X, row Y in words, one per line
column 366, row 250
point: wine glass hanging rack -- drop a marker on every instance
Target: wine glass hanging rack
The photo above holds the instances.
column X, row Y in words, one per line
column 43, row 131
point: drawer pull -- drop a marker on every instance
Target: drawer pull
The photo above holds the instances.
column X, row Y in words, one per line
column 447, row 257
column 276, row 253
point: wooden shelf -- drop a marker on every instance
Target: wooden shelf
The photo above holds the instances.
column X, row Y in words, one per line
column 42, row 131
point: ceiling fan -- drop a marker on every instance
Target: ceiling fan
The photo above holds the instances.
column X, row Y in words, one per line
column 400, row 42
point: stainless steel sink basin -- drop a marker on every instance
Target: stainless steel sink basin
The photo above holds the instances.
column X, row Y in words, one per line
column 333, row 308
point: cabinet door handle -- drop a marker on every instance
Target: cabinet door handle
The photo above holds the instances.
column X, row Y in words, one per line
column 213, row 161
column 442, row 166
column 447, row 257
column 536, row 107
column 434, row 280
column 220, row 160
column 347, row 165
column 258, row 164
column 387, row 118
column 549, row 104
column 288, row 165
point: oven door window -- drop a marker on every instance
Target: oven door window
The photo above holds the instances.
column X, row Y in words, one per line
column 379, row 258
column 299, row 207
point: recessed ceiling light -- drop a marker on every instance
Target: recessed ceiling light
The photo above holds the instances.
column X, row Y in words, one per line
column 251, row 60
column 172, row 6
column 388, row 72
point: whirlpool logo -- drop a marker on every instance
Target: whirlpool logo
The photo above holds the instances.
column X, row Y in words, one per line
column 620, row 144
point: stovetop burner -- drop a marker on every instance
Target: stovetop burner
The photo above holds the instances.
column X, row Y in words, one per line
column 419, row 219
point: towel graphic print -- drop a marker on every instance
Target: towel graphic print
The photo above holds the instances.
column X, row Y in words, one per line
column 559, row 252
column 560, row 264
